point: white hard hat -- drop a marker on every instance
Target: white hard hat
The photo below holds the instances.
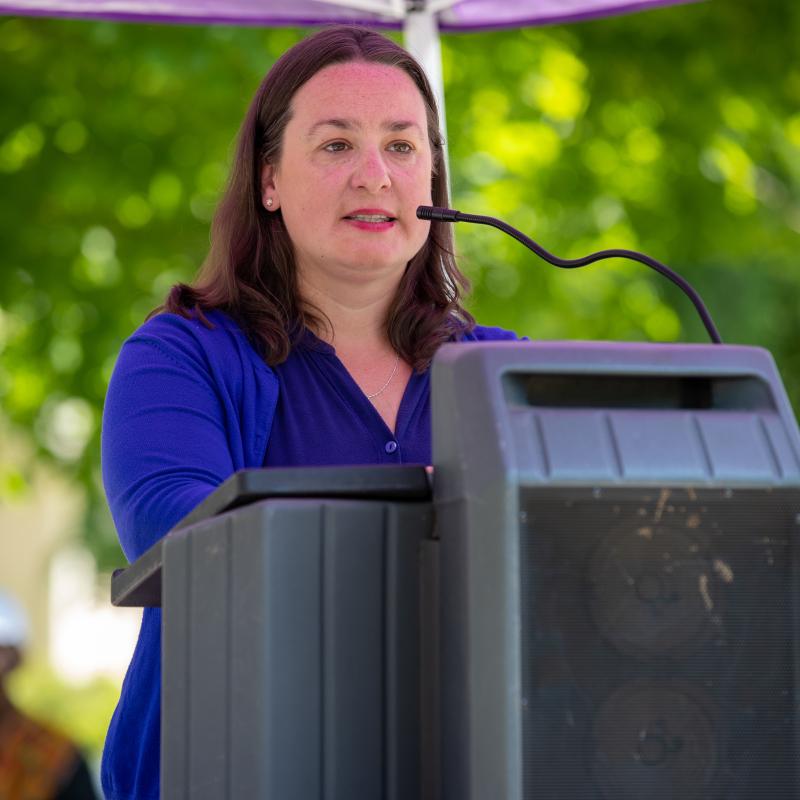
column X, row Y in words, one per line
column 13, row 623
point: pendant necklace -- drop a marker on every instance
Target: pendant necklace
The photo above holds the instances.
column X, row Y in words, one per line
column 385, row 385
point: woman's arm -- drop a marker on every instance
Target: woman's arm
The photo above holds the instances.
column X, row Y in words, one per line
column 173, row 425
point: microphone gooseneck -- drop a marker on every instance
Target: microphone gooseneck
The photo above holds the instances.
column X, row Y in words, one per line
column 451, row 215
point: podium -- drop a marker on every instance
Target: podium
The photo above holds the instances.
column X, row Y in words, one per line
column 596, row 598
column 294, row 622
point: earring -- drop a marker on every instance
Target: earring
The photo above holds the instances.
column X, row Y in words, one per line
column 269, row 202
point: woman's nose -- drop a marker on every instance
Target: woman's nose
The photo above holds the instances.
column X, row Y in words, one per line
column 371, row 171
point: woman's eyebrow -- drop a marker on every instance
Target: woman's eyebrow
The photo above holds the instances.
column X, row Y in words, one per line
column 342, row 124
column 349, row 124
column 402, row 125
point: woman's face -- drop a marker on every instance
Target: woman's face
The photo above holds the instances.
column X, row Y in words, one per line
column 355, row 164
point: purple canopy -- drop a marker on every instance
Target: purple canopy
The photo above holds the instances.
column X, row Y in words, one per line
column 451, row 15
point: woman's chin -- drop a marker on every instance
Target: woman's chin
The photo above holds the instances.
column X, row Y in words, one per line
column 373, row 263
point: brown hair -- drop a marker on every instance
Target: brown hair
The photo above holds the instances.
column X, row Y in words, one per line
column 250, row 270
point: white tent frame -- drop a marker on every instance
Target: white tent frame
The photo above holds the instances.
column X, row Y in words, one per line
column 421, row 39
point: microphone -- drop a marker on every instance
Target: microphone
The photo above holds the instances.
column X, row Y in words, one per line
column 451, row 215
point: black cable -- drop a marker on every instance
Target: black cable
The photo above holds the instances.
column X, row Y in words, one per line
column 451, row 215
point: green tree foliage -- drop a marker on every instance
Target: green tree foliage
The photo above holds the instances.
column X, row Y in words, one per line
column 675, row 131
column 114, row 145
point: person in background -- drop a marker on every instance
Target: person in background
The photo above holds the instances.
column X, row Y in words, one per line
column 36, row 762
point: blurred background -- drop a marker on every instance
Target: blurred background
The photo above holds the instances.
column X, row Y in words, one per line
column 675, row 132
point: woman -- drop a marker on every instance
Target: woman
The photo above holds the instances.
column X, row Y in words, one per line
column 308, row 335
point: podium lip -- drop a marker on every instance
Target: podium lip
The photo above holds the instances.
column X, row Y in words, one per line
column 139, row 585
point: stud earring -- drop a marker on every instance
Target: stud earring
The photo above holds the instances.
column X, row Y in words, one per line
column 269, row 202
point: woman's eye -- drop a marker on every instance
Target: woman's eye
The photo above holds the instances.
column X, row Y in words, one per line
column 335, row 147
column 401, row 147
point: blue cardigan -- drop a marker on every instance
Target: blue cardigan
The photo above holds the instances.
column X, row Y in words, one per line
column 187, row 406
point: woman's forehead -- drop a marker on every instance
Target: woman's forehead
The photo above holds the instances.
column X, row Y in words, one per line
column 358, row 93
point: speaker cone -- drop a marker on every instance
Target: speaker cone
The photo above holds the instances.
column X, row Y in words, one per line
column 655, row 742
column 654, row 592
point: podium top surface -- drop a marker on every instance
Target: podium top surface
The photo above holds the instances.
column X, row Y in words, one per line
column 140, row 583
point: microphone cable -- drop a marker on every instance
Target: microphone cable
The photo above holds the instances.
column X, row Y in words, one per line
column 451, row 215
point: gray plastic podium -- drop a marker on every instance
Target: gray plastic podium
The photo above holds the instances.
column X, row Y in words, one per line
column 291, row 636
column 599, row 603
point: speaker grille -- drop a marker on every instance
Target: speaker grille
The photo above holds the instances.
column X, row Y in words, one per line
column 658, row 643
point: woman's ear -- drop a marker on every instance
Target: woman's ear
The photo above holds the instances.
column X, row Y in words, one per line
column 269, row 194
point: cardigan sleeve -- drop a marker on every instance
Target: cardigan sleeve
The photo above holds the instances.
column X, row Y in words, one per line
column 169, row 431
column 486, row 333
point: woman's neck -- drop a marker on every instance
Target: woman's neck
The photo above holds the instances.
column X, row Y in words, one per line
column 353, row 316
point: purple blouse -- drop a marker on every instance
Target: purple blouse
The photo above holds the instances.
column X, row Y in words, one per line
column 323, row 417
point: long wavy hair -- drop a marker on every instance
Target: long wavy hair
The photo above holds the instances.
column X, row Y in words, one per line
column 250, row 273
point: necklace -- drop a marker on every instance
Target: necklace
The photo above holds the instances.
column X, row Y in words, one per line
column 383, row 388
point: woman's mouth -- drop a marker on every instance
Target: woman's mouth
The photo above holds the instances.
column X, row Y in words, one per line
column 371, row 217
column 374, row 220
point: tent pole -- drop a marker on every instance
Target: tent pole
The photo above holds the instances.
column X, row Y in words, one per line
column 421, row 39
